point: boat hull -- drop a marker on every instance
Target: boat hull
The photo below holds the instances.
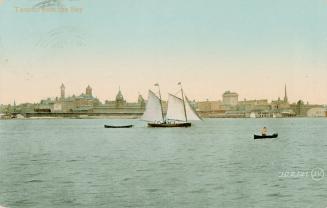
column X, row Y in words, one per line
column 265, row 136
column 116, row 127
column 169, row 125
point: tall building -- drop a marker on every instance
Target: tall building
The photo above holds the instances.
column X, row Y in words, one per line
column 88, row 91
column 230, row 98
column 62, row 91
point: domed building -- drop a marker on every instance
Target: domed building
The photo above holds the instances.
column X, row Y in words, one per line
column 120, row 107
column 120, row 101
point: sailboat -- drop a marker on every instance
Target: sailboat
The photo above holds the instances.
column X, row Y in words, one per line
column 179, row 112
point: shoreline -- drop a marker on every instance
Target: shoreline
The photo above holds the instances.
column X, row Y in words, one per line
column 134, row 117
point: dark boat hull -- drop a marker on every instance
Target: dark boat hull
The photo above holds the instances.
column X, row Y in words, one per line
column 116, row 127
column 169, row 125
column 265, row 136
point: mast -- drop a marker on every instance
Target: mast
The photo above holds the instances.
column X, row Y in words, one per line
column 179, row 83
column 162, row 113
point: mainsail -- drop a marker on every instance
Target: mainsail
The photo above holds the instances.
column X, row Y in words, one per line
column 175, row 109
column 153, row 111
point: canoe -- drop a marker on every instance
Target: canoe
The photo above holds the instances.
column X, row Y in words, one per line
column 115, row 127
column 265, row 136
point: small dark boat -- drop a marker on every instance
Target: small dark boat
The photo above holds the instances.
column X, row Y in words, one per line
column 169, row 125
column 265, row 136
column 116, row 127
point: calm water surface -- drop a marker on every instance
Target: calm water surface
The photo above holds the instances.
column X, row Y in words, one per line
column 215, row 163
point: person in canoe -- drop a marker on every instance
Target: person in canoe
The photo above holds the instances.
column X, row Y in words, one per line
column 264, row 131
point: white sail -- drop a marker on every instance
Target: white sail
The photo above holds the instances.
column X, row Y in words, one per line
column 175, row 109
column 190, row 111
column 153, row 111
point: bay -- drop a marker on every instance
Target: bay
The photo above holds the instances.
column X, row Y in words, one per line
column 215, row 163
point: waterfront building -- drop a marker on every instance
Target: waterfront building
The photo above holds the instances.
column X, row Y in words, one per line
column 301, row 109
column 85, row 104
column 26, row 107
column 45, row 106
column 81, row 103
column 256, row 108
column 120, row 107
column 317, row 112
column 68, row 104
column 282, row 107
column 264, row 114
column 230, row 98
column 281, row 104
column 254, row 105
column 209, row 106
column 120, row 101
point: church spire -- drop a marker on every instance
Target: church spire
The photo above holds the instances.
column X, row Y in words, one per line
column 285, row 95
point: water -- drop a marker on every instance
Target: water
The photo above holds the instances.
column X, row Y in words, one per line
column 215, row 163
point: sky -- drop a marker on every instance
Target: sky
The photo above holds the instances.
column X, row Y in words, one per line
column 252, row 47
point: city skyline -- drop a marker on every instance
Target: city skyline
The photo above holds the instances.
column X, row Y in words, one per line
column 88, row 89
column 252, row 48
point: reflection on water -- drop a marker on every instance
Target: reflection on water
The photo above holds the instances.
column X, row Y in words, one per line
column 215, row 163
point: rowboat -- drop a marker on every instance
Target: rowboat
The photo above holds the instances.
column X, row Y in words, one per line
column 126, row 126
column 265, row 136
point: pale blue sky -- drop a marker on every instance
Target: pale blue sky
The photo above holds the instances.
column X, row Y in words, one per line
column 252, row 47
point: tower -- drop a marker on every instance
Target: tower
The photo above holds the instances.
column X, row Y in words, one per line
column 285, row 95
column 120, row 98
column 88, row 91
column 62, row 91
column 230, row 98
column 141, row 101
